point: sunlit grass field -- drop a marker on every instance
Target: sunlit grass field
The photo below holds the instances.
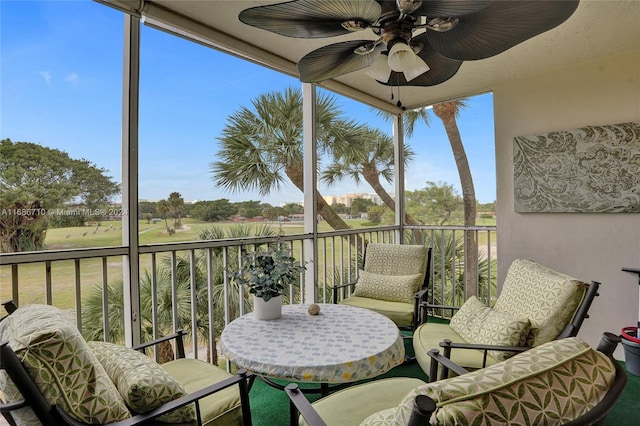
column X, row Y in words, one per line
column 32, row 277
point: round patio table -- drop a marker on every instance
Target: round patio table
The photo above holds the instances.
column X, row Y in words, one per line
column 341, row 344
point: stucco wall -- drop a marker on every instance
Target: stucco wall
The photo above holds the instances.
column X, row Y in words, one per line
column 587, row 246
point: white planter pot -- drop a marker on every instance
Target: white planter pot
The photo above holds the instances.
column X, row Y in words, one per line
column 267, row 310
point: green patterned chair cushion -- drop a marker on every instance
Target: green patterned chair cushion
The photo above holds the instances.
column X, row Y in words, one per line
column 396, row 259
column 553, row 383
column 399, row 312
column 392, row 288
column 351, row 406
column 142, row 382
column 477, row 323
column 61, row 364
column 548, row 298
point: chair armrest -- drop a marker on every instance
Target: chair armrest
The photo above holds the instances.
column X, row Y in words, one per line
column 424, row 306
column 448, row 345
column 299, row 404
column 240, row 379
column 447, row 364
column 335, row 288
column 177, row 336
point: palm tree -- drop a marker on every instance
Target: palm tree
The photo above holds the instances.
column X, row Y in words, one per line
column 163, row 207
column 370, row 159
column 261, row 143
column 448, row 112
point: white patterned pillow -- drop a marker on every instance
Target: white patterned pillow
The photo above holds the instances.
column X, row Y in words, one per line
column 477, row 323
column 142, row 382
column 61, row 364
column 392, row 288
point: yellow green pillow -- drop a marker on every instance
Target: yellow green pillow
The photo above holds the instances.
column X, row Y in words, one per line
column 142, row 382
column 477, row 323
column 392, row 288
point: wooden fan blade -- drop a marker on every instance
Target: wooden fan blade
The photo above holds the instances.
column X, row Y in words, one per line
column 441, row 67
column 311, row 18
column 445, row 8
column 335, row 59
column 500, row 26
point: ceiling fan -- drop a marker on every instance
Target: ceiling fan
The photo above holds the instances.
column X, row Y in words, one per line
column 419, row 42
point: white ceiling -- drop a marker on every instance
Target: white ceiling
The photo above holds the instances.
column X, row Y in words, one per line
column 598, row 29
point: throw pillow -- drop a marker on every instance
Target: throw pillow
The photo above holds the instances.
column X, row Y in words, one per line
column 477, row 323
column 392, row 288
column 142, row 382
column 58, row 359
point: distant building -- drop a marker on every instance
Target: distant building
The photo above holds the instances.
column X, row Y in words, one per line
column 347, row 199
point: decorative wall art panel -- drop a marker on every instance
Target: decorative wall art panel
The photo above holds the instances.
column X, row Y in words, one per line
column 593, row 169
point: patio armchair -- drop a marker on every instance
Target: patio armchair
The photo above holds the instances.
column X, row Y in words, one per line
column 393, row 282
column 562, row 382
column 50, row 375
column 536, row 305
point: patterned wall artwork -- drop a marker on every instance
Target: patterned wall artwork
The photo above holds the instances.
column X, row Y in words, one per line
column 593, row 169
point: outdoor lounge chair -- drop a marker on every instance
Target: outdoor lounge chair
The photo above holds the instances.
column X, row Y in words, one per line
column 49, row 375
column 562, row 382
column 536, row 305
column 393, row 282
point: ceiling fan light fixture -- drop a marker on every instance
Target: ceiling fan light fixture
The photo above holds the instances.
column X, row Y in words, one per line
column 401, row 57
column 379, row 69
column 419, row 67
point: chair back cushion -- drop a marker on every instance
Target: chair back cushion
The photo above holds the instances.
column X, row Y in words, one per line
column 477, row 323
column 407, row 262
column 62, row 366
column 142, row 382
column 551, row 384
column 548, row 298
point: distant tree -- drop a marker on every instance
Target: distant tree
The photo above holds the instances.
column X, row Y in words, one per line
column 163, row 207
column 374, row 213
column 360, row 205
column 249, row 208
column 177, row 206
column 340, row 208
column 147, row 207
column 292, row 208
column 436, row 204
column 36, row 180
column 147, row 217
column 213, row 211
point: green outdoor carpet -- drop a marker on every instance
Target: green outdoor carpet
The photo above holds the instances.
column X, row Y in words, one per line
column 270, row 407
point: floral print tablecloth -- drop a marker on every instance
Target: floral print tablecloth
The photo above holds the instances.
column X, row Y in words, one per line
column 341, row 344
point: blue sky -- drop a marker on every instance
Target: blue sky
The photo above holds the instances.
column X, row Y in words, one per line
column 61, row 77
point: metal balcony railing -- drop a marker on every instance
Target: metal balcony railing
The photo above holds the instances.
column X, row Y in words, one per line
column 188, row 285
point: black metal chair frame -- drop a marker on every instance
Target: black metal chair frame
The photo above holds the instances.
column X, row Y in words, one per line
column 419, row 297
column 54, row 415
column 424, row 406
column 570, row 330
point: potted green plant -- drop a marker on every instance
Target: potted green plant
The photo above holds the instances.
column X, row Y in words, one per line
column 266, row 272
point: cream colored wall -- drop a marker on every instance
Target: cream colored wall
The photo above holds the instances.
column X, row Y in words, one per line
column 587, row 246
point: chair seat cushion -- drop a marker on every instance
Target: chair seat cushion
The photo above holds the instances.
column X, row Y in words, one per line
column 398, row 312
column 392, row 288
column 219, row 409
column 477, row 323
column 429, row 335
column 61, row 364
column 351, row 406
column 551, row 384
column 143, row 384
